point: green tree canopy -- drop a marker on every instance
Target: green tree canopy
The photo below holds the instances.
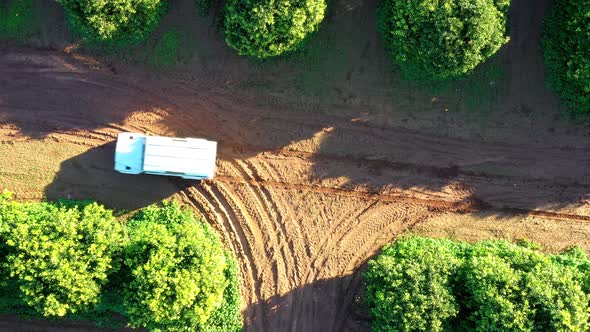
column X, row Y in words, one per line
column 409, row 286
column 567, row 53
column 266, row 28
column 58, row 254
column 441, row 39
column 178, row 270
column 421, row 284
column 114, row 22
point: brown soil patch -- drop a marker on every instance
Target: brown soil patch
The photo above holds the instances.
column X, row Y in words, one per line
column 318, row 166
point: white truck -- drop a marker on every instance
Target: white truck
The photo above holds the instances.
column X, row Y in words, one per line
column 189, row 158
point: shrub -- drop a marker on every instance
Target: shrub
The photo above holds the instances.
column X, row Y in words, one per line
column 227, row 317
column 558, row 299
column 178, row 270
column 576, row 258
column 172, row 273
column 495, row 297
column 566, row 43
column 420, row 284
column 434, row 40
column 408, row 286
column 59, row 254
column 532, row 291
column 266, row 28
column 4, row 231
column 114, row 23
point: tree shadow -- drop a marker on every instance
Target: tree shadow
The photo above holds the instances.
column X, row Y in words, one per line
column 499, row 175
column 14, row 323
column 91, row 175
column 41, row 94
column 325, row 305
column 500, row 169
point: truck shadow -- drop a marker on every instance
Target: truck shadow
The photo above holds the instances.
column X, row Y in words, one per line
column 91, row 175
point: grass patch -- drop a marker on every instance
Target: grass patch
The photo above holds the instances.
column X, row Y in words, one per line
column 316, row 64
column 321, row 60
column 479, row 93
column 166, row 51
column 203, row 6
column 35, row 171
column 482, row 88
column 16, row 19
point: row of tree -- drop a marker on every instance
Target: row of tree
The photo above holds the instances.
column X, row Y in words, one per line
column 161, row 269
column 423, row 284
column 429, row 40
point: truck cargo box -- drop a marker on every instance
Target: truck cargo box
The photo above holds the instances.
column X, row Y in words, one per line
column 189, row 158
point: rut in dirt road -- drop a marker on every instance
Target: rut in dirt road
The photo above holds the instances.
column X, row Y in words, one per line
column 296, row 245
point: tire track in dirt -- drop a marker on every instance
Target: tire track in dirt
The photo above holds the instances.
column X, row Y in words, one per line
column 470, row 205
column 341, row 225
column 271, row 217
column 444, row 175
column 285, row 242
column 271, row 257
column 281, row 208
column 344, row 246
column 249, row 277
column 467, row 206
column 318, row 266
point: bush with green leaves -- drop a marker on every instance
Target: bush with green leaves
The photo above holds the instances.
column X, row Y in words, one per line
column 227, row 317
column 266, row 28
column 421, row 284
column 566, row 42
column 398, row 279
column 114, row 22
column 435, row 40
column 178, row 270
column 516, row 289
column 59, row 254
column 165, row 271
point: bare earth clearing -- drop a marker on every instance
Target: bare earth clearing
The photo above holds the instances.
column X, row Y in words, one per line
column 310, row 182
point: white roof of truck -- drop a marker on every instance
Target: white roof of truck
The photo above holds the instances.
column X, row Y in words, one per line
column 192, row 157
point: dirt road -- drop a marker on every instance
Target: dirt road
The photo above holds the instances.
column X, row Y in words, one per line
column 305, row 195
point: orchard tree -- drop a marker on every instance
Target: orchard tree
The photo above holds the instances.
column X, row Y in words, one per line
column 58, row 255
column 178, row 270
column 442, row 39
column 266, row 28
column 114, row 22
column 567, row 53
